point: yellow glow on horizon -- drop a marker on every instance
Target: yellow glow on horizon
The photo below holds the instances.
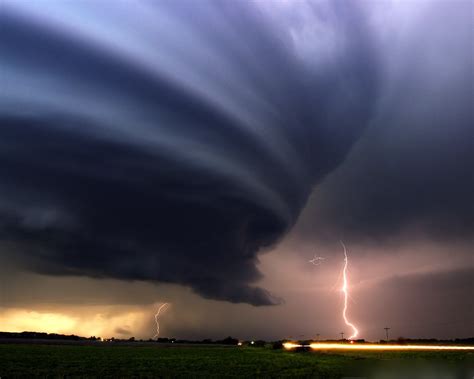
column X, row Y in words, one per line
column 84, row 322
column 342, row 346
column 22, row 320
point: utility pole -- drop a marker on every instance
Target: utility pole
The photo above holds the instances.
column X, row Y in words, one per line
column 317, row 336
column 342, row 335
column 386, row 332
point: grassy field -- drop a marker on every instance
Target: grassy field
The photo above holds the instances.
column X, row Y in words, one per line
column 198, row 361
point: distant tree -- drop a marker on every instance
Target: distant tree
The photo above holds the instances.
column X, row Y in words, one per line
column 277, row 345
column 229, row 341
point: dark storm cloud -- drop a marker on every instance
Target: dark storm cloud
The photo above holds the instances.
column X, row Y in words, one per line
column 413, row 171
column 122, row 331
column 171, row 142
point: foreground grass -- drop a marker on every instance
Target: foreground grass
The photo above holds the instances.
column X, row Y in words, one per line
column 135, row 361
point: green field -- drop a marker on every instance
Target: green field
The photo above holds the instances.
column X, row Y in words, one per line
column 197, row 361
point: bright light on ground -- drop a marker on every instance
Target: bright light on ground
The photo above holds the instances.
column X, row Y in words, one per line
column 351, row 346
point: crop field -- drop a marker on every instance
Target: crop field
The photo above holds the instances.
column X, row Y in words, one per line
column 35, row 360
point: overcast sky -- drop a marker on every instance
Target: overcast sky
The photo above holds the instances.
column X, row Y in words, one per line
column 202, row 153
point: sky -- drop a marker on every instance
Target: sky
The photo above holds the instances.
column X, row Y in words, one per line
column 202, row 153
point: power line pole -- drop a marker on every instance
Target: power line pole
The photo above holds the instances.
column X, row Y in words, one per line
column 317, row 336
column 386, row 332
column 342, row 335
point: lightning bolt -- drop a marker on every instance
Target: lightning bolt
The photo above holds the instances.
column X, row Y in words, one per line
column 316, row 260
column 157, row 315
column 345, row 290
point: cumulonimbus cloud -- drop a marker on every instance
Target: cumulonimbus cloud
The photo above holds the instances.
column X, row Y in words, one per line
column 172, row 141
column 411, row 175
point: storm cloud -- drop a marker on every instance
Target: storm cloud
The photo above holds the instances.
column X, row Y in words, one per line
column 173, row 141
column 411, row 175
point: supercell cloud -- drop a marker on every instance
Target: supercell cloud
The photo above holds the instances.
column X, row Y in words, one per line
column 172, row 141
column 411, row 175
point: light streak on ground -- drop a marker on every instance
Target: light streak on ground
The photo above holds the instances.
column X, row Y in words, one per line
column 342, row 346
column 345, row 290
column 291, row 345
column 157, row 315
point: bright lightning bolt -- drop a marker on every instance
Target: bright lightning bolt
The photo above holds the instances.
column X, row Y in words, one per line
column 157, row 315
column 345, row 290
